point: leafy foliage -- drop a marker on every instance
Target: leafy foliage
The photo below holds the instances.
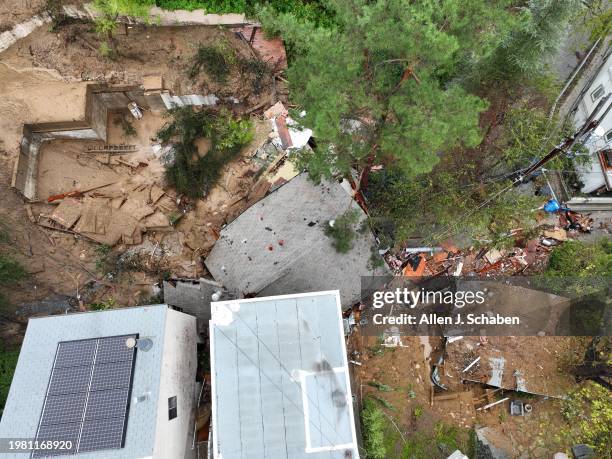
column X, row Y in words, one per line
column 380, row 386
column 373, row 424
column 342, row 230
column 598, row 20
column 526, row 137
column 8, row 363
column 110, row 10
column 311, row 10
column 103, row 305
column 219, row 59
column 190, row 172
column 378, row 85
column 580, row 268
column 445, row 202
column 535, row 34
column 588, row 412
column 580, row 259
column 214, row 62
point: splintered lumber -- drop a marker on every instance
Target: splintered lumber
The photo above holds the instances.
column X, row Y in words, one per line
column 112, row 148
column 67, row 213
column 46, row 222
column 76, row 193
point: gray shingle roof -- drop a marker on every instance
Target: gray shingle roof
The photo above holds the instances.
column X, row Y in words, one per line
column 280, row 384
column 291, row 220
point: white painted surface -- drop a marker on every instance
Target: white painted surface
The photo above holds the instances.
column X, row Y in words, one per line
column 173, row 438
column 592, row 174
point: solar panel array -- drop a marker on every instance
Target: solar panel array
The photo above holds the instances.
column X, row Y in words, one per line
column 88, row 395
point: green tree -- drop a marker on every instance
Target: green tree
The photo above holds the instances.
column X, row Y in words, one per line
column 598, row 20
column 446, row 202
column 190, row 171
column 381, row 84
column 535, row 35
column 110, row 11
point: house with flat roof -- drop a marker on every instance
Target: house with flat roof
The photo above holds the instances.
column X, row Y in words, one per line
column 115, row 384
column 279, row 246
column 280, row 378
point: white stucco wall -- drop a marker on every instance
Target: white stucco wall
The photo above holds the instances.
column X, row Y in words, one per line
column 592, row 174
column 173, row 438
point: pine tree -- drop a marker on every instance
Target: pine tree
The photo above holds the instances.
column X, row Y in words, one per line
column 381, row 84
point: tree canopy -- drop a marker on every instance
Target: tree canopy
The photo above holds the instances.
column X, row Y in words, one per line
column 380, row 85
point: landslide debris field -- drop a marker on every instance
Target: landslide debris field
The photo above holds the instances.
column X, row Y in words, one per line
column 133, row 229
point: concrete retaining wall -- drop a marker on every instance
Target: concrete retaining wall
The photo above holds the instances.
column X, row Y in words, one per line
column 24, row 29
column 99, row 101
column 162, row 17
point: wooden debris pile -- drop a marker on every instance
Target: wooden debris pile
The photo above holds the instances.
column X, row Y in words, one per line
column 114, row 214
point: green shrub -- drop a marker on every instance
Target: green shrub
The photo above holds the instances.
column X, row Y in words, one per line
column 588, row 412
column 380, row 386
column 577, row 267
column 259, row 71
column 103, row 305
column 311, row 10
column 189, row 172
column 213, row 61
column 342, row 230
column 374, row 426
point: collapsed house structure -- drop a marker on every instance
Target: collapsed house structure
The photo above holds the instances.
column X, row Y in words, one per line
column 280, row 378
column 101, row 204
column 279, row 245
column 113, row 384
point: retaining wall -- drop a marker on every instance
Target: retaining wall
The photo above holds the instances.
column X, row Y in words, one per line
column 100, row 100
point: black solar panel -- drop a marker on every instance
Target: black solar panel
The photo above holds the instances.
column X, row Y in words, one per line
column 101, row 434
column 68, row 380
column 65, row 432
column 113, row 350
column 111, row 375
column 64, row 408
column 75, row 353
column 107, row 403
column 88, row 395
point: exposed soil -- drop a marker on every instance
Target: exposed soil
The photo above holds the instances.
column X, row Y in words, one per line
column 42, row 80
column 13, row 12
column 168, row 51
column 406, row 370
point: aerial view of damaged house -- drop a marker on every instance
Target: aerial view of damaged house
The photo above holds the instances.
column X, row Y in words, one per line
column 212, row 372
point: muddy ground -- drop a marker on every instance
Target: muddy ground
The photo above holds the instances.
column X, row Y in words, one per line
column 405, row 370
column 43, row 78
column 13, row 12
column 73, row 52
